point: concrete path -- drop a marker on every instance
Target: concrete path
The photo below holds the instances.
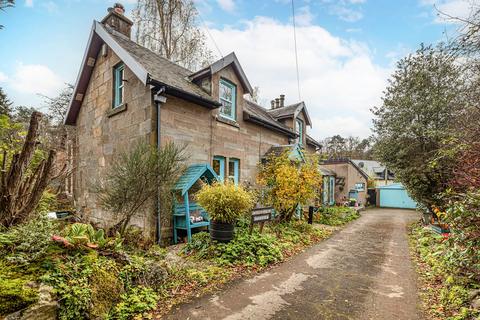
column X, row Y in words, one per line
column 362, row 272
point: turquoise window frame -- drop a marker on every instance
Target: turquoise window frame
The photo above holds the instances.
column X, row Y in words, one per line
column 233, row 113
column 236, row 170
column 331, row 190
column 221, row 160
column 300, row 129
column 118, row 85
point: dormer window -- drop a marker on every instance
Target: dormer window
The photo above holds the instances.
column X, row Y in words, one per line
column 227, row 95
column 299, row 129
column 118, row 85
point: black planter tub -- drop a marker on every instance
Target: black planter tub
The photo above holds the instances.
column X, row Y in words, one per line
column 221, row 232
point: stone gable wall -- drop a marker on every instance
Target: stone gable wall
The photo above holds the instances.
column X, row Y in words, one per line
column 100, row 137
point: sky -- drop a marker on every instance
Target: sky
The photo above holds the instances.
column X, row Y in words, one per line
column 347, row 49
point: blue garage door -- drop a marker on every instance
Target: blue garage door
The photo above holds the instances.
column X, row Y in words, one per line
column 395, row 196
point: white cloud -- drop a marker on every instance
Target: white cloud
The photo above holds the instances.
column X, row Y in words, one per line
column 227, row 5
column 443, row 10
column 51, row 6
column 339, row 81
column 35, row 79
column 346, row 10
column 29, row 3
column 3, row 77
column 345, row 13
column 304, row 16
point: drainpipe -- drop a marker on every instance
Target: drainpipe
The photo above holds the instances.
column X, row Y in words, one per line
column 158, row 98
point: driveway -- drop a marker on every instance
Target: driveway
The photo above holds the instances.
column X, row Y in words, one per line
column 362, row 272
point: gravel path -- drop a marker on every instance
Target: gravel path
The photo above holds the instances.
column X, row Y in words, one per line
column 362, row 272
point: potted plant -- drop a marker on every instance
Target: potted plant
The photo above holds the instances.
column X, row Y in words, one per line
column 224, row 203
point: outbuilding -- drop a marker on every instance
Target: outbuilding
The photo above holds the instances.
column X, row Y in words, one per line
column 394, row 196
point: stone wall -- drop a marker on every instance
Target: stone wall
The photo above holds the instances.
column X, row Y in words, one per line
column 207, row 135
column 101, row 134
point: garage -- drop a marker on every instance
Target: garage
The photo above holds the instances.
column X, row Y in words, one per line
column 394, row 196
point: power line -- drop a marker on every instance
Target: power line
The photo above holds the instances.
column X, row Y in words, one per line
column 208, row 32
column 296, row 53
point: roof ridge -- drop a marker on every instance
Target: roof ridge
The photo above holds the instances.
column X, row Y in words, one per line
column 110, row 29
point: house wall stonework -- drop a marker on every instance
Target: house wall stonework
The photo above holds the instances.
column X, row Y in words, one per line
column 102, row 133
column 101, row 136
column 351, row 176
column 206, row 135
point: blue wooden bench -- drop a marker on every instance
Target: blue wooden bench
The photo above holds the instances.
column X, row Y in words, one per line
column 183, row 211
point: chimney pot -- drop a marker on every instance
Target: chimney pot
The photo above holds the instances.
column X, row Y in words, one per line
column 116, row 20
column 273, row 104
column 119, row 8
column 277, row 102
column 282, row 100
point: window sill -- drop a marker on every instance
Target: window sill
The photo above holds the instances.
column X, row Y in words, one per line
column 121, row 108
column 230, row 122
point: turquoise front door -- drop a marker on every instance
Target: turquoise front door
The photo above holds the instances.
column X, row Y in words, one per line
column 395, row 196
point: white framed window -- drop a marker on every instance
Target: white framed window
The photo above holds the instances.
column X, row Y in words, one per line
column 360, row 186
column 118, row 86
column 299, row 129
column 227, row 95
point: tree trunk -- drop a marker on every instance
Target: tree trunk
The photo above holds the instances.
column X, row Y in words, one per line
column 21, row 192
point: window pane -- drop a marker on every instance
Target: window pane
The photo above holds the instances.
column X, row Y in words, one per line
column 216, row 166
column 226, row 108
column 226, row 92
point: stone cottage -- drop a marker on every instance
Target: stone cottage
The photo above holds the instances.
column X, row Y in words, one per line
column 125, row 93
column 350, row 180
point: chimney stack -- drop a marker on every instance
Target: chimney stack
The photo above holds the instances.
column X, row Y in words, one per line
column 273, row 104
column 282, row 100
column 116, row 20
column 277, row 103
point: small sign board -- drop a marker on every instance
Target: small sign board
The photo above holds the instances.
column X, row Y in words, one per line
column 260, row 216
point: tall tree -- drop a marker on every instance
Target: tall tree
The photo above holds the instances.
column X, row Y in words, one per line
column 423, row 96
column 5, row 104
column 169, row 27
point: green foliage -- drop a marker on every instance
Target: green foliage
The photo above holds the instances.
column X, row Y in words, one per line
column 245, row 249
column 419, row 106
column 16, row 290
column 136, row 177
column 106, row 288
column 134, row 302
column 335, row 216
column 442, row 269
column 225, row 202
column 70, row 280
column 28, row 242
column 256, row 249
column 82, row 234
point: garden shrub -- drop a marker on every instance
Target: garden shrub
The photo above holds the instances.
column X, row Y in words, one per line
column 249, row 250
column 134, row 302
column 441, row 269
column 225, row 202
column 16, row 290
column 106, row 288
column 70, row 280
column 28, row 242
column 335, row 216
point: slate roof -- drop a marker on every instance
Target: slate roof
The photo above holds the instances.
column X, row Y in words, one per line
column 327, row 172
column 291, row 111
column 310, row 140
column 159, row 68
column 284, row 111
column 295, row 151
column 256, row 113
column 345, row 160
